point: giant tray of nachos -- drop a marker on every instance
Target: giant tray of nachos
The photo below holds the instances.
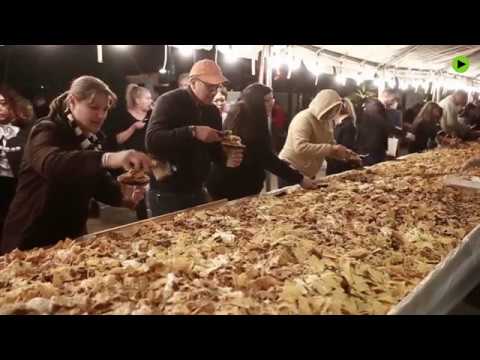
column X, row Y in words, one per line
column 360, row 245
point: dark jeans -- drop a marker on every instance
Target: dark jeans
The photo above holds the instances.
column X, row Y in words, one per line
column 141, row 210
column 161, row 202
column 7, row 191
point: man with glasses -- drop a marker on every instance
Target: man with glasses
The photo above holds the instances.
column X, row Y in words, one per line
column 185, row 131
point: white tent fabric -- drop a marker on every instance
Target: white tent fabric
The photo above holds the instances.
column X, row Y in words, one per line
column 422, row 57
column 244, row 51
column 194, row 47
column 413, row 65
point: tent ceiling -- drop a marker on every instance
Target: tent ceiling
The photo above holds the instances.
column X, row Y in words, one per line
column 422, row 57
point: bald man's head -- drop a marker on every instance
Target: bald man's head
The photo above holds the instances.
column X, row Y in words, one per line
column 460, row 98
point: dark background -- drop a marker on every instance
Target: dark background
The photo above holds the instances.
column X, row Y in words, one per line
column 47, row 70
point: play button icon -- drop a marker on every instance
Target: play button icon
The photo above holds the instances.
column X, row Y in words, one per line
column 461, row 64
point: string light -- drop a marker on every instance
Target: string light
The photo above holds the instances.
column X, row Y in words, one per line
column 185, row 50
column 341, row 80
column 163, row 70
column 100, row 53
column 378, row 82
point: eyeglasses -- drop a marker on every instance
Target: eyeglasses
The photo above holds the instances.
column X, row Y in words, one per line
column 210, row 87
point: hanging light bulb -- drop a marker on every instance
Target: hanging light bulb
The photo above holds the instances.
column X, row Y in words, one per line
column 359, row 78
column 278, row 61
column 186, row 50
column 392, row 83
column 340, row 80
column 230, row 57
column 100, row 54
column 163, row 70
column 403, row 84
column 294, row 64
column 378, row 82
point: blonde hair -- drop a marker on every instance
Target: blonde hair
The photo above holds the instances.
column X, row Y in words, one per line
column 133, row 92
column 84, row 88
column 426, row 114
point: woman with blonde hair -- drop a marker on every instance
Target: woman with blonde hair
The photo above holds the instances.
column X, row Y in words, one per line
column 127, row 130
column 64, row 167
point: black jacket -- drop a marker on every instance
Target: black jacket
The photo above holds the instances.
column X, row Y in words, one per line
column 373, row 132
column 424, row 132
column 345, row 134
column 169, row 138
column 248, row 178
column 56, row 182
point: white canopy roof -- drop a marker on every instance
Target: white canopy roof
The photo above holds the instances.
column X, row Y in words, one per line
column 420, row 63
column 422, row 57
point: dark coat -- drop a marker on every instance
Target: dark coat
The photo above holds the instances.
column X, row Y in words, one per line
column 169, row 138
column 425, row 134
column 345, row 134
column 373, row 132
column 56, row 181
column 248, row 178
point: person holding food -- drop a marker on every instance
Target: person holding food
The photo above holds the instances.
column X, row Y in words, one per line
column 127, row 130
column 453, row 106
column 64, row 167
column 425, row 128
column 248, row 122
column 185, row 130
column 310, row 138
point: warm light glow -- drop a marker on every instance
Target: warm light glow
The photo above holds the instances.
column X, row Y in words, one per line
column 341, row 80
column 378, row 82
column 185, row 51
column 230, row 58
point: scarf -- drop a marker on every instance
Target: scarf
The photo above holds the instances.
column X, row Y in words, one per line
column 87, row 142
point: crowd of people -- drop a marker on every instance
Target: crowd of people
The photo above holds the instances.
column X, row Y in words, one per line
column 51, row 169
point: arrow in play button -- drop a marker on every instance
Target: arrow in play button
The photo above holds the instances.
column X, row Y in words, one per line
column 461, row 64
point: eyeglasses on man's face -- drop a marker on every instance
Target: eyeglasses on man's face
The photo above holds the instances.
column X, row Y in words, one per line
column 210, row 87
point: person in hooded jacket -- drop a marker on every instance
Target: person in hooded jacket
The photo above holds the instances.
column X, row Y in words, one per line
column 310, row 138
column 248, row 119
